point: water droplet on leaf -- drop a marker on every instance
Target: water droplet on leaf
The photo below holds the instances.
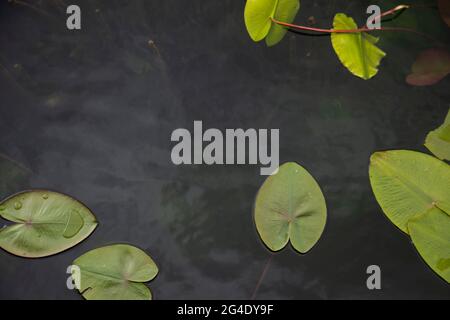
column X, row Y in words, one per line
column 73, row 225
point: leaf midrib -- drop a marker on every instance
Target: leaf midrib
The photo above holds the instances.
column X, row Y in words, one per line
column 429, row 234
column 275, row 8
column 51, row 223
column 410, row 185
column 112, row 278
column 97, row 273
column 363, row 55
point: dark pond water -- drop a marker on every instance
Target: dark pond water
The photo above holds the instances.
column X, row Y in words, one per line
column 90, row 114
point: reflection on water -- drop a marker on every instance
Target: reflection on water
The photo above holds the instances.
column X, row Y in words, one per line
column 13, row 176
column 206, row 223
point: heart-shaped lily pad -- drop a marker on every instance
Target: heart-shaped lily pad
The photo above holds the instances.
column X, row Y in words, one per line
column 430, row 67
column 46, row 223
column 357, row 51
column 258, row 17
column 438, row 141
column 115, row 272
column 290, row 206
column 430, row 233
column 407, row 184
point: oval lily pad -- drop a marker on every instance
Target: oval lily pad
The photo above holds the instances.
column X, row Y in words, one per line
column 46, row 223
column 430, row 67
column 438, row 141
column 356, row 51
column 115, row 272
column 257, row 16
column 290, row 206
column 286, row 11
column 407, row 184
column 430, row 233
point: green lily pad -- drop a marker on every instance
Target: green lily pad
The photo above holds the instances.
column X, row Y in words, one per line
column 46, row 223
column 290, row 206
column 115, row 272
column 438, row 141
column 258, row 15
column 430, row 233
column 286, row 12
column 356, row 51
column 407, row 184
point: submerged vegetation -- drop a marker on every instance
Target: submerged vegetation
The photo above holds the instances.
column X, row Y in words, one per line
column 430, row 67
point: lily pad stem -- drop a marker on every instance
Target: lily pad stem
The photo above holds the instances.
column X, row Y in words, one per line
column 359, row 30
column 30, row 6
column 261, row 278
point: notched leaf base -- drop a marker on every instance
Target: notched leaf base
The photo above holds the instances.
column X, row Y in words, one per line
column 290, row 207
